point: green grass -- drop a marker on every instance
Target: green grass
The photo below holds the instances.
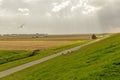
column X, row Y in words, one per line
column 12, row 55
column 98, row 61
column 25, row 55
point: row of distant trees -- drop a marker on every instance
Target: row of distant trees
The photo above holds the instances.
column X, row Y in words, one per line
column 37, row 35
column 22, row 34
column 94, row 36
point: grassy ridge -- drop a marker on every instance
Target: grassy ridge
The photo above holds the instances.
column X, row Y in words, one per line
column 98, row 61
column 41, row 54
column 12, row 55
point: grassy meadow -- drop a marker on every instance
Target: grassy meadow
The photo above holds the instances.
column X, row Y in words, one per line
column 11, row 55
column 12, row 58
column 14, row 48
column 97, row 61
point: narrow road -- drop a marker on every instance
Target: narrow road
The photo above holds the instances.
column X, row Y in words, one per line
column 24, row 66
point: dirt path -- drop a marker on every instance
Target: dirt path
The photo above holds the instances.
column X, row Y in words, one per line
column 24, row 66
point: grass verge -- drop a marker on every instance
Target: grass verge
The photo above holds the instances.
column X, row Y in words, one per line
column 41, row 54
column 98, row 61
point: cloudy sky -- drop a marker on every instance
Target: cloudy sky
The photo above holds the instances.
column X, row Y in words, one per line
column 59, row 16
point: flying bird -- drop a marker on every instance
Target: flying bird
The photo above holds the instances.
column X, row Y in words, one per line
column 21, row 26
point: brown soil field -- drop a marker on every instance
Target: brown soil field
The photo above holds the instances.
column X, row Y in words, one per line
column 31, row 45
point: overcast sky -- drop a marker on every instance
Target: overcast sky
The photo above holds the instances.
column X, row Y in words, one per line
column 59, row 16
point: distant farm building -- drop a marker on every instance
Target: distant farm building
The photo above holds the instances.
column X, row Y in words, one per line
column 40, row 35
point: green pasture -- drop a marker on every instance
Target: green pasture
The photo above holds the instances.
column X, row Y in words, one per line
column 97, row 61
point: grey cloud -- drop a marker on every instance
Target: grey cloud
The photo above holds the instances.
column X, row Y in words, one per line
column 43, row 20
column 109, row 16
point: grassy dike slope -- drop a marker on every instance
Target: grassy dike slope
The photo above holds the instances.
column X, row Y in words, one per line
column 98, row 61
column 13, row 58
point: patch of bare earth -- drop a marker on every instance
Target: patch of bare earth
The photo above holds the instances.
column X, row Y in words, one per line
column 30, row 45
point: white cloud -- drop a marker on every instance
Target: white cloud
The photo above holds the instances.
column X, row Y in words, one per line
column 5, row 13
column 27, row 1
column 84, row 7
column 79, row 4
column 88, row 9
column 54, row 4
column 24, row 11
column 30, row 1
column 2, row 12
column 73, row 6
column 26, row 14
column 57, row 7
column 48, row 14
column 1, row 2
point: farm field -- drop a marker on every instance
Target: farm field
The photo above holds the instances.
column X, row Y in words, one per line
column 31, row 45
column 12, row 58
column 97, row 61
column 12, row 50
column 15, row 50
column 48, row 38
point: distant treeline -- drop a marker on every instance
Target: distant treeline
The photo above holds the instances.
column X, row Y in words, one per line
column 24, row 34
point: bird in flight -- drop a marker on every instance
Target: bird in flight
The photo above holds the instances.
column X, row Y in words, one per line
column 21, row 26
